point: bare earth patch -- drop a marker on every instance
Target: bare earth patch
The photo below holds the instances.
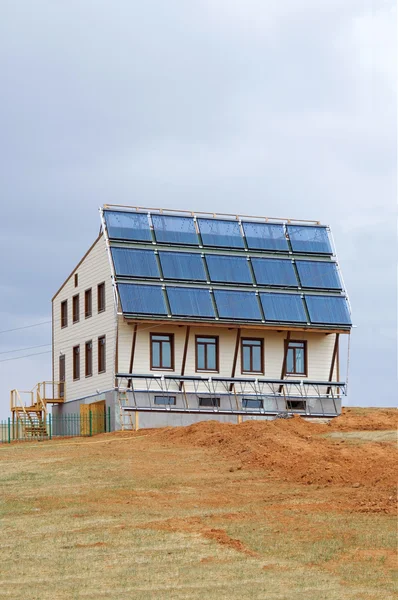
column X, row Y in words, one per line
column 277, row 510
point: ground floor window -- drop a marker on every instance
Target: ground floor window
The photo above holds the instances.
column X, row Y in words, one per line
column 296, row 357
column 101, row 354
column 212, row 402
column 252, row 403
column 167, row 400
column 76, row 362
column 295, row 404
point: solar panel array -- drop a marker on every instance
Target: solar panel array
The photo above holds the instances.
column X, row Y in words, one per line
column 227, row 270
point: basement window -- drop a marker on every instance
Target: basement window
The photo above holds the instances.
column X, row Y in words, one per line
column 295, row 404
column 168, row 400
column 252, row 403
column 212, row 402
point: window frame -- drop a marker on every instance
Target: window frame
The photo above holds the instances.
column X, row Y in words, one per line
column 75, row 308
column 88, row 353
column 305, row 348
column 209, row 402
column 101, row 295
column 173, row 400
column 88, row 302
column 171, row 341
column 217, row 345
column 64, row 318
column 99, row 354
column 76, row 362
column 76, row 280
column 61, row 375
column 254, row 339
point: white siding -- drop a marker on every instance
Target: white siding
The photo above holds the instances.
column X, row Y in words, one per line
column 94, row 269
column 319, row 347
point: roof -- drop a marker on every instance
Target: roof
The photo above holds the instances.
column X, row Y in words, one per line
column 200, row 267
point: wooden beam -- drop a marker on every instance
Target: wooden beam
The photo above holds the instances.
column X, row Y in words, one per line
column 184, row 356
column 334, row 358
column 235, row 357
column 285, row 349
column 133, row 344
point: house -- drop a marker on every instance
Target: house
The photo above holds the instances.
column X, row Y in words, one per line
column 173, row 317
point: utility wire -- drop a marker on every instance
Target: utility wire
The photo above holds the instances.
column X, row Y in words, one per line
column 25, row 356
column 21, row 349
column 25, row 327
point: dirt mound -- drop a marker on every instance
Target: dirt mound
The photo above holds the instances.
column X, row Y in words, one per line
column 295, row 450
column 365, row 419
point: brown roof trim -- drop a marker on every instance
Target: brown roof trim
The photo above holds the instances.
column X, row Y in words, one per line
column 77, row 266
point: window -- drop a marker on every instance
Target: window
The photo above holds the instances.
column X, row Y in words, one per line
column 252, row 356
column 75, row 308
column 212, row 402
column 101, row 355
column 64, row 313
column 101, row 297
column 76, row 279
column 168, row 400
column 162, row 351
column 252, row 403
column 61, row 375
column 89, row 359
column 296, row 358
column 206, row 353
column 88, row 303
column 295, row 404
column 76, row 362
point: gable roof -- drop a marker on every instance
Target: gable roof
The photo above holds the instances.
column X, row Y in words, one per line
column 196, row 267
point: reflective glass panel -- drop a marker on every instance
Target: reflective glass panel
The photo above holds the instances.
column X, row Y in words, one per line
column 182, row 265
column 216, row 232
column 309, row 239
column 265, row 236
column 228, row 269
column 127, row 226
column 167, row 400
column 252, row 403
column 270, row 271
column 237, row 305
column 190, row 302
column 135, row 263
column 283, row 308
column 317, row 274
column 328, row 310
column 142, row 299
column 174, row 230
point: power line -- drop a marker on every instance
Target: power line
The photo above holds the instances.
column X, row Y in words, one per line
column 21, row 349
column 25, row 327
column 25, row 356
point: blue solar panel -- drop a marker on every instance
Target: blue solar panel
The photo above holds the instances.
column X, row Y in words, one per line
column 216, row 232
column 228, row 269
column 175, row 230
column 237, row 305
column 135, row 263
column 265, row 236
column 270, row 271
column 327, row 310
column 190, row 302
column 283, row 308
column 142, row 299
column 309, row 239
column 182, row 265
column 317, row 274
column 127, row 226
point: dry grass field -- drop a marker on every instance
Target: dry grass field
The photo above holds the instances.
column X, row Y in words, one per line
column 277, row 510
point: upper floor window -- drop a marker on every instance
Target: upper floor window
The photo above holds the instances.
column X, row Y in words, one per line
column 76, row 279
column 162, row 351
column 61, row 375
column 64, row 313
column 252, row 355
column 88, row 303
column 206, row 353
column 296, row 357
column 75, row 308
column 76, row 362
column 89, row 359
column 101, row 355
column 101, row 297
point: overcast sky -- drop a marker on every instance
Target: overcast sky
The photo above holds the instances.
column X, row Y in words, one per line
column 267, row 107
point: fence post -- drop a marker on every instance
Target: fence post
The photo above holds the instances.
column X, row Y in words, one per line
column 109, row 418
column 90, row 420
column 9, row 430
column 50, row 429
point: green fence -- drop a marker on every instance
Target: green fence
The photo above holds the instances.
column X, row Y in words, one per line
column 55, row 426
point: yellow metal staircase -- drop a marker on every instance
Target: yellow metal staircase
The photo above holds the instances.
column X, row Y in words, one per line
column 29, row 408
